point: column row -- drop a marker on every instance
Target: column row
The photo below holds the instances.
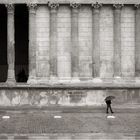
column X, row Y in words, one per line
column 96, row 62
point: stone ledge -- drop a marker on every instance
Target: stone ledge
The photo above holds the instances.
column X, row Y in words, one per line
column 80, row 86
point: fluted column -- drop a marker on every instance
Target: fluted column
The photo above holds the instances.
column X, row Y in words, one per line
column 96, row 40
column 117, row 39
column 74, row 41
column 137, row 39
column 32, row 43
column 53, row 40
column 11, row 44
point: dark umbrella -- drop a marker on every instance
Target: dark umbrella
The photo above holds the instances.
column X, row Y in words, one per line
column 109, row 98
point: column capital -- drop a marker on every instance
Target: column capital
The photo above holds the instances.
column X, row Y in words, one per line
column 137, row 6
column 53, row 5
column 10, row 8
column 32, row 6
column 96, row 5
column 75, row 5
column 118, row 6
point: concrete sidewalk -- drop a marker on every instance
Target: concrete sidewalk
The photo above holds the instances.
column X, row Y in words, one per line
column 65, row 125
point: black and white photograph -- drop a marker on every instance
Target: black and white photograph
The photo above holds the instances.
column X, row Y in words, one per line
column 69, row 69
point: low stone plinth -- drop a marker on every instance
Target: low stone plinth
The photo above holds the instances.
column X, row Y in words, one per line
column 68, row 95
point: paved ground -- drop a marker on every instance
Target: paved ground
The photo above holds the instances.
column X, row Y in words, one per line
column 88, row 125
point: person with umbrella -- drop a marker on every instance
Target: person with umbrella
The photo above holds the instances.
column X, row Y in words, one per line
column 108, row 103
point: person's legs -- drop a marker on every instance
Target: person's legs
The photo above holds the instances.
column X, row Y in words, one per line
column 111, row 108
column 107, row 108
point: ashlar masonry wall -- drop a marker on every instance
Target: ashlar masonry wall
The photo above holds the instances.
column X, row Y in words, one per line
column 85, row 44
column 43, row 38
column 128, row 41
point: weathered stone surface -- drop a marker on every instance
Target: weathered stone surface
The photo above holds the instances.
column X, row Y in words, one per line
column 106, row 42
column 68, row 1
column 128, row 42
column 67, row 97
column 11, row 44
column 43, row 32
column 85, row 42
column 64, row 42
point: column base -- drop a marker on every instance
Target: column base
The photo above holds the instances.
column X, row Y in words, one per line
column 53, row 80
column 137, row 80
column 75, row 80
column 97, row 80
column 43, row 80
column 85, row 79
column 129, row 79
column 32, row 81
column 118, row 79
column 64, row 80
column 11, row 81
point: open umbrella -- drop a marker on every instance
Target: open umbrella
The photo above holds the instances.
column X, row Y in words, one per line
column 109, row 98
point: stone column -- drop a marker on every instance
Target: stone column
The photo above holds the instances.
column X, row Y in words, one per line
column 96, row 40
column 11, row 44
column 53, row 40
column 32, row 43
column 117, row 40
column 75, row 42
column 137, row 41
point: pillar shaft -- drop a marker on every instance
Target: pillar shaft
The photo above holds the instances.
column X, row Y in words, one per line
column 96, row 40
column 117, row 40
column 137, row 37
column 53, row 39
column 32, row 43
column 74, row 41
column 11, row 44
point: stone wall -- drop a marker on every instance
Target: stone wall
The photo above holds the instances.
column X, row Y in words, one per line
column 42, row 26
column 66, row 97
column 86, row 45
column 106, row 42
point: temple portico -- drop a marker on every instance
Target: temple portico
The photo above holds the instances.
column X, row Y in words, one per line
column 77, row 42
column 53, row 45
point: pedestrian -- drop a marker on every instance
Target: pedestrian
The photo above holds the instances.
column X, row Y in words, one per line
column 108, row 103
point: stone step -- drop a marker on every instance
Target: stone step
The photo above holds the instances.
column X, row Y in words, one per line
column 71, row 136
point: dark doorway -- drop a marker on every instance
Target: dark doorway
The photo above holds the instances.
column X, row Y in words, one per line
column 21, row 42
column 3, row 43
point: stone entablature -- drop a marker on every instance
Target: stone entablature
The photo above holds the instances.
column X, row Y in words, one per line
column 69, row 1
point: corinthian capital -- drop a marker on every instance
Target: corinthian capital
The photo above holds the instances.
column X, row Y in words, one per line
column 32, row 6
column 118, row 6
column 75, row 5
column 10, row 7
column 96, row 5
column 53, row 5
column 137, row 6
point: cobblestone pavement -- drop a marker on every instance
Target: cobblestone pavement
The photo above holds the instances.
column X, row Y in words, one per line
column 42, row 125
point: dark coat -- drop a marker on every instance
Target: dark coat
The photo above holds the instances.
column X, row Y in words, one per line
column 108, row 102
